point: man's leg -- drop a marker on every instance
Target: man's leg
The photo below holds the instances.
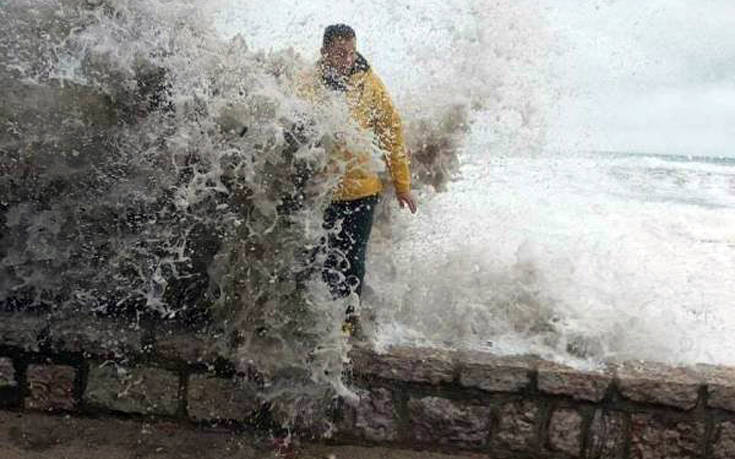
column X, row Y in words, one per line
column 359, row 229
column 336, row 247
column 350, row 223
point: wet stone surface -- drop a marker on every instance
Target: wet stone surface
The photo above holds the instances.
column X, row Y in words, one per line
column 724, row 447
column 440, row 421
column 406, row 364
column 655, row 383
column 607, row 436
column 494, row 374
column 375, row 416
column 51, row 387
column 7, row 373
column 720, row 386
column 565, row 432
column 655, row 438
column 448, row 401
column 38, row 436
column 22, row 331
column 517, row 426
column 137, row 390
column 187, row 347
column 215, row 399
column 102, row 338
column 582, row 385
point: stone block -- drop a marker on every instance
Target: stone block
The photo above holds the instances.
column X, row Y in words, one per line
column 563, row 380
column 216, row 399
column 103, row 338
column 607, row 437
column 565, row 432
column 50, row 387
column 7, row 373
column 495, row 374
column 517, row 426
column 724, row 446
column 308, row 415
column 405, row 364
column 720, row 383
column 440, row 421
column 656, row 383
column 652, row 437
column 21, row 330
column 143, row 390
column 343, row 416
column 188, row 347
column 375, row 416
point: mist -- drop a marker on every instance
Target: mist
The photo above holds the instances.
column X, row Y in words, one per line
column 652, row 77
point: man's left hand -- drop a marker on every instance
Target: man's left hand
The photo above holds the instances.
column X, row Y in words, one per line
column 407, row 199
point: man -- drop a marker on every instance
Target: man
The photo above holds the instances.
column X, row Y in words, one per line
column 343, row 71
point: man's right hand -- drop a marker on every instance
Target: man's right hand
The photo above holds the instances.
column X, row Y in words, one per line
column 407, row 199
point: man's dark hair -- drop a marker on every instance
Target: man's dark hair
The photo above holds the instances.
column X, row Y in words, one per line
column 336, row 32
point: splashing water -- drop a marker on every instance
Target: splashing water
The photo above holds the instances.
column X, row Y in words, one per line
column 149, row 165
column 152, row 169
column 575, row 256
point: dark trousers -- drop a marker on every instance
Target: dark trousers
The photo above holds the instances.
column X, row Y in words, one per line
column 348, row 224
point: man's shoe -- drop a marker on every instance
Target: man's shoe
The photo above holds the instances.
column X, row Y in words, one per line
column 351, row 326
column 354, row 329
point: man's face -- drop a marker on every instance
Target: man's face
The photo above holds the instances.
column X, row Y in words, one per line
column 340, row 56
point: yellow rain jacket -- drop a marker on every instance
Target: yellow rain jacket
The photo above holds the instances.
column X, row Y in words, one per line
column 371, row 107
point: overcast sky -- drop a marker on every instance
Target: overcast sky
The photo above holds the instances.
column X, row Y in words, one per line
column 652, row 76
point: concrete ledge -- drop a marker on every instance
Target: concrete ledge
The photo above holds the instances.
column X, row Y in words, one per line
column 94, row 337
column 509, row 407
column 655, row 383
column 495, row 374
column 581, row 385
column 407, row 364
column 720, row 383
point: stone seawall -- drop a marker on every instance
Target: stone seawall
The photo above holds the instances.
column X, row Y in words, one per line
column 423, row 399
